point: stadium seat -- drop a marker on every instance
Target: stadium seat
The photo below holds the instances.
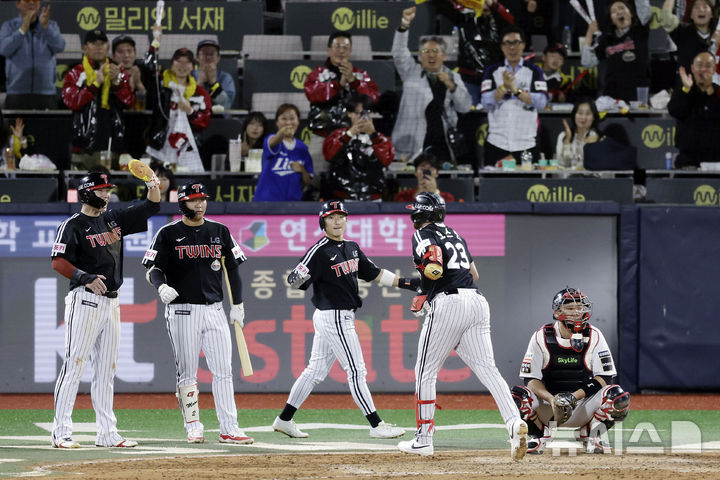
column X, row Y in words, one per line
column 272, row 47
column 73, row 47
column 172, row 41
column 268, row 102
column 361, row 47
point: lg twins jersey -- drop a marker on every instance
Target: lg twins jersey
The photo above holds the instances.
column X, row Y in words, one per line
column 334, row 268
column 191, row 259
column 456, row 258
column 94, row 244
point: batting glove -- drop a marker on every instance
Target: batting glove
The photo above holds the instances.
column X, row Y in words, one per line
column 167, row 293
column 237, row 314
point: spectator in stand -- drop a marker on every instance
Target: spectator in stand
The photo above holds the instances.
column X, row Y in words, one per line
column 219, row 84
column 97, row 91
column 623, row 47
column 29, row 43
column 695, row 104
column 513, row 93
column 478, row 39
column 167, row 181
column 696, row 33
column 125, row 55
column 184, row 107
column 432, row 97
column 253, row 132
column 553, row 59
column 12, row 137
column 534, row 17
column 358, row 155
column 582, row 129
column 426, row 172
column 286, row 163
column 327, row 88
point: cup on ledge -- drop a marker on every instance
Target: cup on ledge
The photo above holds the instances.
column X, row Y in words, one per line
column 642, row 96
column 218, row 162
column 106, row 159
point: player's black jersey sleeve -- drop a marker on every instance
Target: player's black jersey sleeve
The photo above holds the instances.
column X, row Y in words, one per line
column 333, row 268
column 133, row 219
column 191, row 259
column 456, row 258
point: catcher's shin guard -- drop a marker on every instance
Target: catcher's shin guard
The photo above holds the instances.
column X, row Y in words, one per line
column 523, row 400
column 425, row 427
column 615, row 405
column 189, row 402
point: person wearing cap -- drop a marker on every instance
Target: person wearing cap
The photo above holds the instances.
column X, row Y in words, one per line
column 426, row 172
column 553, row 59
column 183, row 108
column 219, row 84
column 29, row 43
column 125, row 55
column 97, row 91
column 358, row 155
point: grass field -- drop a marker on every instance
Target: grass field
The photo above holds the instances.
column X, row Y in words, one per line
column 25, row 435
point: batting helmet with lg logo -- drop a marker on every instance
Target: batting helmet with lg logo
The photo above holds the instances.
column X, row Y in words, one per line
column 190, row 191
column 93, row 181
column 330, row 207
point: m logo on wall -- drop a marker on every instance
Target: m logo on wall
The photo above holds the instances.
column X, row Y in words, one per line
column 298, row 76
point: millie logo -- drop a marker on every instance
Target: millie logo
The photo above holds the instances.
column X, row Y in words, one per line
column 541, row 193
column 344, row 19
column 298, row 76
column 88, row 18
column 654, row 136
column 705, row 195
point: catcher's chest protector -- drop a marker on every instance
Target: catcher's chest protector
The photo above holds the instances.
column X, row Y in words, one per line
column 566, row 370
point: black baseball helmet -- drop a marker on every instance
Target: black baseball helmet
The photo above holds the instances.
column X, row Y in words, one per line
column 190, row 191
column 427, row 207
column 93, row 181
column 576, row 320
column 330, row 207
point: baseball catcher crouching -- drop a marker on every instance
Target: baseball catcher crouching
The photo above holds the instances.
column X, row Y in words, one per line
column 568, row 371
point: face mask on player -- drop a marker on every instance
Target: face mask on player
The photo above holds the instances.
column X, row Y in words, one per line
column 573, row 309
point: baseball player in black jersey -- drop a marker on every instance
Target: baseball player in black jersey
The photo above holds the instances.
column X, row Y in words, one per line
column 185, row 264
column 333, row 266
column 569, row 372
column 457, row 317
column 88, row 250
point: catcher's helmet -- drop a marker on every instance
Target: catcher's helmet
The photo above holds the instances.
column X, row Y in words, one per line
column 190, row 191
column 93, row 181
column 330, row 207
column 576, row 321
column 427, row 207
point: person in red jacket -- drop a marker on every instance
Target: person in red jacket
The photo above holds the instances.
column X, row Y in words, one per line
column 328, row 88
column 426, row 172
column 182, row 109
column 358, row 154
column 97, row 91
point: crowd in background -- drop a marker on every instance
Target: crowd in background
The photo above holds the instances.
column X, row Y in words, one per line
column 352, row 146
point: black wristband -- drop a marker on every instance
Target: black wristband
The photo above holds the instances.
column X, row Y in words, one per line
column 412, row 284
column 82, row 277
column 591, row 388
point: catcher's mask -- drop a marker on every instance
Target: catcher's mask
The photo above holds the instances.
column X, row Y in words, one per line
column 190, row 191
column 427, row 208
column 573, row 308
column 90, row 182
column 328, row 208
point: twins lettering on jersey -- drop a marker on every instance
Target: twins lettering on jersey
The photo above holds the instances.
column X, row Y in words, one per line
column 199, row 251
column 105, row 238
column 348, row 266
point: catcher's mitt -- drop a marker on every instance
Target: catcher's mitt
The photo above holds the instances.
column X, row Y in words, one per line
column 563, row 405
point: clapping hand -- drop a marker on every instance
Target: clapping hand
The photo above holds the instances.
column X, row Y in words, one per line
column 346, row 72
column 45, row 16
column 568, row 132
column 114, row 72
column 18, row 128
column 508, row 80
column 687, row 79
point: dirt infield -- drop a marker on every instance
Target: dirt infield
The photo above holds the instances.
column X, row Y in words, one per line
column 336, row 401
column 445, row 466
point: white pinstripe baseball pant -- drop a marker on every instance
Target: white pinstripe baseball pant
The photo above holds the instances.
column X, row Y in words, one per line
column 92, row 332
column 459, row 321
column 193, row 327
column 335, row 337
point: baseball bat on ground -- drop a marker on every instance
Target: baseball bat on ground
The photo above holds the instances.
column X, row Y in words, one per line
column 239, row 336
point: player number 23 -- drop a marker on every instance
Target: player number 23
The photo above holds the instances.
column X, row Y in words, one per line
column 457, row 251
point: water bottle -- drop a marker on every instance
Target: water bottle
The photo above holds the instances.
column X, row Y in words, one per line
column 567, row 38
column 526, row 160
column 455, row 41
column 668, row 160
